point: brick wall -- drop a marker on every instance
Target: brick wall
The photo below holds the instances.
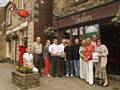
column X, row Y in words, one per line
column 45, row 19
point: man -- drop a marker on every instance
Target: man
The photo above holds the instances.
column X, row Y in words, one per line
column 94, row 40
column 62, row 56
column 55, row 56
column 37, row 50
column 76, row 58
column 69, row 59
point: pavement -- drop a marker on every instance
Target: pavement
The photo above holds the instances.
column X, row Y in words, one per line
column 49, row 83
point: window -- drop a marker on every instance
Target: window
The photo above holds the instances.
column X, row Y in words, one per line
column 9, row 19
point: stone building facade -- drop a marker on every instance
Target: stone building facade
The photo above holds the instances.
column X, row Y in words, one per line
column 27, row 29
column 2, row 19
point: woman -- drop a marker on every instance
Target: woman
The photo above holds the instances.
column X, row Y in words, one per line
column 46, row 56
column 82, row 62
column 103, row 53
column 87, row 56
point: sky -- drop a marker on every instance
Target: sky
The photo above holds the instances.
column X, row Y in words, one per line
column 3, row 3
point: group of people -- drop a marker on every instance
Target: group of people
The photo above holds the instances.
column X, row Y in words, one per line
column 67, row 59
column 93, row 54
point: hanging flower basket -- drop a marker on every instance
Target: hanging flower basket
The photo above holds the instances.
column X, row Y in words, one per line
column 49, row 31
column 8, row 38
column 116, row 19
column 14, row 36
column 23, row 13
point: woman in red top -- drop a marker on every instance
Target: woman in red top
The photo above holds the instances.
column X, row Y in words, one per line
column 87, row 56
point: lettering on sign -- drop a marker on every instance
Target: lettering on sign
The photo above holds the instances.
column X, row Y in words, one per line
column 82, row 18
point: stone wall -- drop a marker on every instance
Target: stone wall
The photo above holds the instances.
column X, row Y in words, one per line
column 2, row 42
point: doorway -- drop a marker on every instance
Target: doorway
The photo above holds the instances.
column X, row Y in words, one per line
column 110, row 36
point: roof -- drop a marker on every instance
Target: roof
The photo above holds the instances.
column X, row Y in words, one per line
column 3, row 3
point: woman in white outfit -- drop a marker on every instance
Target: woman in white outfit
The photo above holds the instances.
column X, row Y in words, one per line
column 82, row 62
column 87, row 57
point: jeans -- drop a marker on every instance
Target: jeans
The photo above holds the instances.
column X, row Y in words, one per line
column 77, row 67
column 69, row 67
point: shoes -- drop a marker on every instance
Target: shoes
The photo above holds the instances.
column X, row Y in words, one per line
column 71, row 75
column 105, row 84
column 48, row 75
column 67, row 75
column 101, row 83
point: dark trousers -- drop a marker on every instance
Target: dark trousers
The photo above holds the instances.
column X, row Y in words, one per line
column 56, row 66
column 38, row 62
column 62, row 65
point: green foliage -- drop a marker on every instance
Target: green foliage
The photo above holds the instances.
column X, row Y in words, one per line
column 24, row 69
column 116, row 19
column 49, row 31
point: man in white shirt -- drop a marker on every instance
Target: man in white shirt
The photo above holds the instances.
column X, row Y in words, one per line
column 62, row 56
column 55, row 56
column 28, row 58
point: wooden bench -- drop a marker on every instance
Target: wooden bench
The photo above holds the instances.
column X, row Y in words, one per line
column 25, row 81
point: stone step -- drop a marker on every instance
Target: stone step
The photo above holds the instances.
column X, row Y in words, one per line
column 114, row 77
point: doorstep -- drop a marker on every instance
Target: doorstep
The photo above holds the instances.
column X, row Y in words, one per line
column 115, row 77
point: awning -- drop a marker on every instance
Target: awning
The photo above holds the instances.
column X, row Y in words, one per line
column 3, row 3
column 17, row 28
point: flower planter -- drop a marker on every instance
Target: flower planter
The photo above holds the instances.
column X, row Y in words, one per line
column 25, row 81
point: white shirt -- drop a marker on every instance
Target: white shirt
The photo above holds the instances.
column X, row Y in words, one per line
column 61, row 49
column 54, row 49
column 27, row 57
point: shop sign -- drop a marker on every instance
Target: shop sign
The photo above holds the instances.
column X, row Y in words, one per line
column 82, row 18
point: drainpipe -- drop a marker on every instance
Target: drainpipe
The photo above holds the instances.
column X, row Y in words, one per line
column 4, row 34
